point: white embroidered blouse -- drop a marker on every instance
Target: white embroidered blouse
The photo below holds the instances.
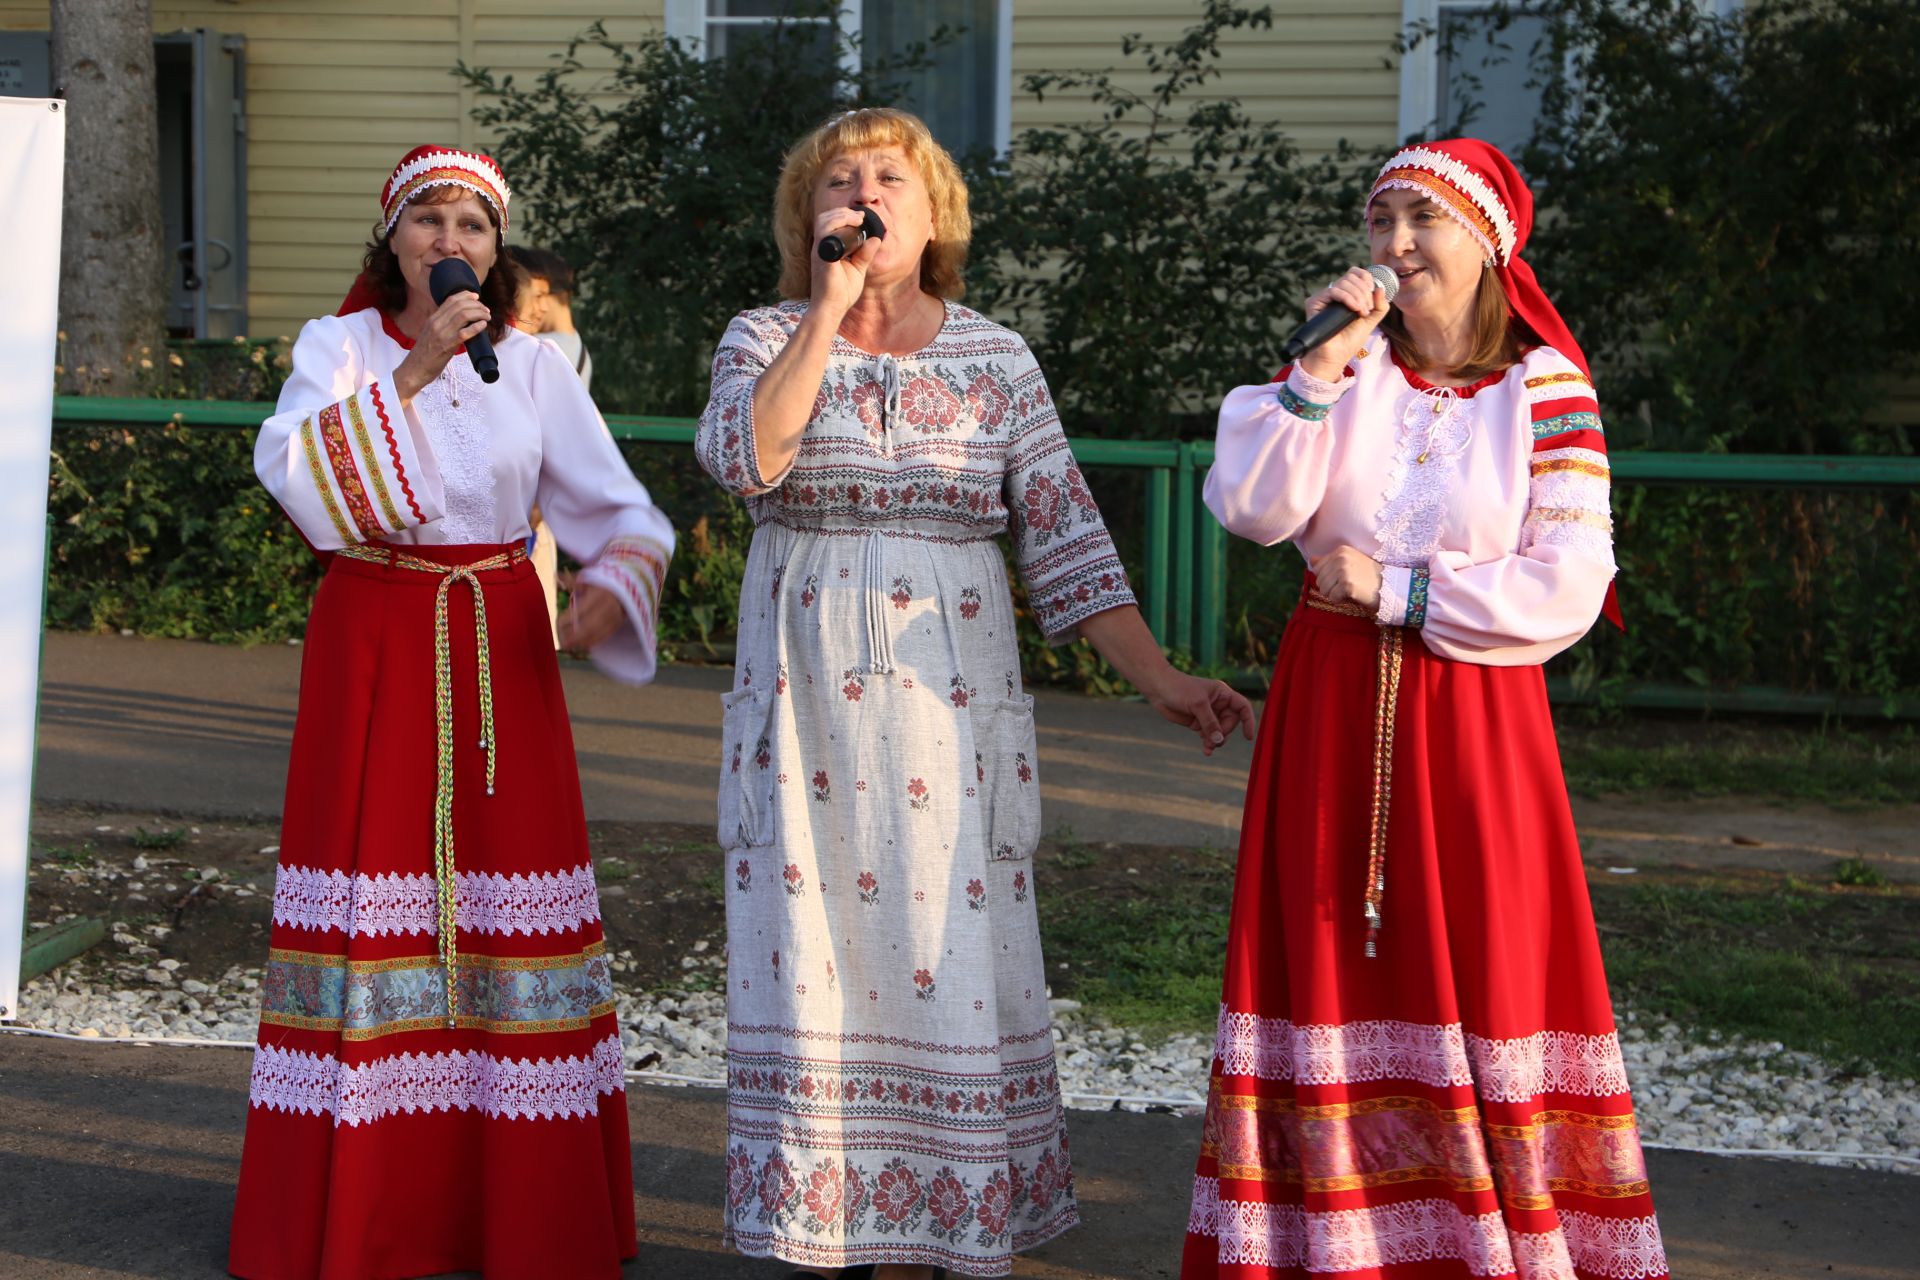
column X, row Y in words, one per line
column 465, row 462
column 1486, row 505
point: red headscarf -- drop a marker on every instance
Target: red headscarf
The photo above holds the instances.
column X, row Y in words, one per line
column 1476, row 183
column 419, row 169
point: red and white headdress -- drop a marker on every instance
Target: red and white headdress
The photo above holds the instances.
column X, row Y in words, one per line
column 419, row 169
column 1474, row 182
column 425, row 167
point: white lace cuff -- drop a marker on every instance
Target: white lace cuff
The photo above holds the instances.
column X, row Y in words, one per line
column 1394, row 579
column 1308, row 397
column 1403, row 596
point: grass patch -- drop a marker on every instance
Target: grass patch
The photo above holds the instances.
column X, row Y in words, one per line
column 1146, row 956
column 1827, row 969
column 1831, row 969
column 165, row 839
column 1781, row 761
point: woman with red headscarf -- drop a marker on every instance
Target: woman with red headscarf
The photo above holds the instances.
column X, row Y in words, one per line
column 439, row 1083
column 1416, row 1072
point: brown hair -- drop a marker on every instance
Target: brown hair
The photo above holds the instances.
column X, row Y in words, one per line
column 545, row 264
column 1498, row 339
column 863, row 130
column 498, row 291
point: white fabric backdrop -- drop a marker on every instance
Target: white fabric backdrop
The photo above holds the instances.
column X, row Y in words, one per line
column 33, row 136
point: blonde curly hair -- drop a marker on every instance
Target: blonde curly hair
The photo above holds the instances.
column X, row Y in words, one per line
column 865, row 129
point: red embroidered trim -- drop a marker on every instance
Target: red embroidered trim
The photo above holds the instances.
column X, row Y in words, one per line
column 393, row 448
column 334, row 433
column 1594, row 440
column 392, row 330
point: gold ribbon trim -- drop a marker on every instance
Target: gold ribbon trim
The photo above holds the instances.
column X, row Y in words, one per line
column 1389, row 656
column 445, row 884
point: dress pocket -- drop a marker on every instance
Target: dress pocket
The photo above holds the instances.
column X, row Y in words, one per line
column 746, row 769
column 1005, row 761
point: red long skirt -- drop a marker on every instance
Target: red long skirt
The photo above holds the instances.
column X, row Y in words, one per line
column 1455, row 1106
column 380, row 1142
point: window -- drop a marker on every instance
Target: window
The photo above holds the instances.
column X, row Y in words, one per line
column 200, row 90
column 965, row 96
column 1465, row 68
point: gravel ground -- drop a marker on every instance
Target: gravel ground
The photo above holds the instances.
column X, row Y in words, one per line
column 1706, row 1092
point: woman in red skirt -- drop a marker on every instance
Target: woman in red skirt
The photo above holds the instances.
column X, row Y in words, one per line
column 438, row 1085
column 1416, row 1073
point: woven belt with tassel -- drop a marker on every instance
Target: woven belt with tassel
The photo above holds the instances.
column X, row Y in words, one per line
column 445, row 886
column 1389, row 652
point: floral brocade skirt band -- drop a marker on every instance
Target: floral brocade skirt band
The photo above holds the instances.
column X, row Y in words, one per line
column 1454, row 1105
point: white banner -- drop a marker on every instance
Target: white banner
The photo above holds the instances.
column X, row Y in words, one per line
column 33, row 142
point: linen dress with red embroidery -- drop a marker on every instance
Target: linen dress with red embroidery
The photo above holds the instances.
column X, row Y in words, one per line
column 380, row 1141
column 1455, row 1105
column 892, row 1090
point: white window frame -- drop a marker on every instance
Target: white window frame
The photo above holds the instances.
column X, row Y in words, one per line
column 686, row 21
column 1420, row 67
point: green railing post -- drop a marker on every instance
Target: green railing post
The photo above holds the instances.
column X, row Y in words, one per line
column 1159, row 498
column 1183, row 508
column 1184, row 596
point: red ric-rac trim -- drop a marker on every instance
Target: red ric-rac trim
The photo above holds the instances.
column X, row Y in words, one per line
column 393, row 451
column 333, row 434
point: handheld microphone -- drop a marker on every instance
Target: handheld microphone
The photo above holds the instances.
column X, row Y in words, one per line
column 448, row 277
column 1334, row 318
column 844, row 241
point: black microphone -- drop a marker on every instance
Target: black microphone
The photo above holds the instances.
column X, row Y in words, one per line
column 448, row 277
column 843, row 242
column 1336, row 316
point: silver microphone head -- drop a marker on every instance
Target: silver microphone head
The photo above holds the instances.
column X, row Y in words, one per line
column 1384, row 277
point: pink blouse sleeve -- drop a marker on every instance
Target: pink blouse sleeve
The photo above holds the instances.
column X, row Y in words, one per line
column 1523, row 608
column 1272, row 454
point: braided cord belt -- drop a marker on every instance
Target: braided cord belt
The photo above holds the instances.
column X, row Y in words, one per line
column 446, row 885
column 1389, row 656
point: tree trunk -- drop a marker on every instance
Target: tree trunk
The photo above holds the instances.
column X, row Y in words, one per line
column 113, row 283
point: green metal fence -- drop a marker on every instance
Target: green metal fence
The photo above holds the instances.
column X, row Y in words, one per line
column 1184, row 592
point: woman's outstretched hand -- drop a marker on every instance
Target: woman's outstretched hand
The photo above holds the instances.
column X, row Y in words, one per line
column 1208, row 707
column 592, row 614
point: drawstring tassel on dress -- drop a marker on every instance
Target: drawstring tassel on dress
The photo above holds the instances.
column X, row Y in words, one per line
column 1389, row 658
column 879, row 638
column 445, row 878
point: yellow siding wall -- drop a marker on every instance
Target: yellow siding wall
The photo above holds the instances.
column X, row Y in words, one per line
column 1319, row 70
column 337, row 90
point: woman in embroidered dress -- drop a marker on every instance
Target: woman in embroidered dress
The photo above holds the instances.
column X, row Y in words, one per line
column 892, row 1094
column 429, row 1099
column 1416, row 1072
